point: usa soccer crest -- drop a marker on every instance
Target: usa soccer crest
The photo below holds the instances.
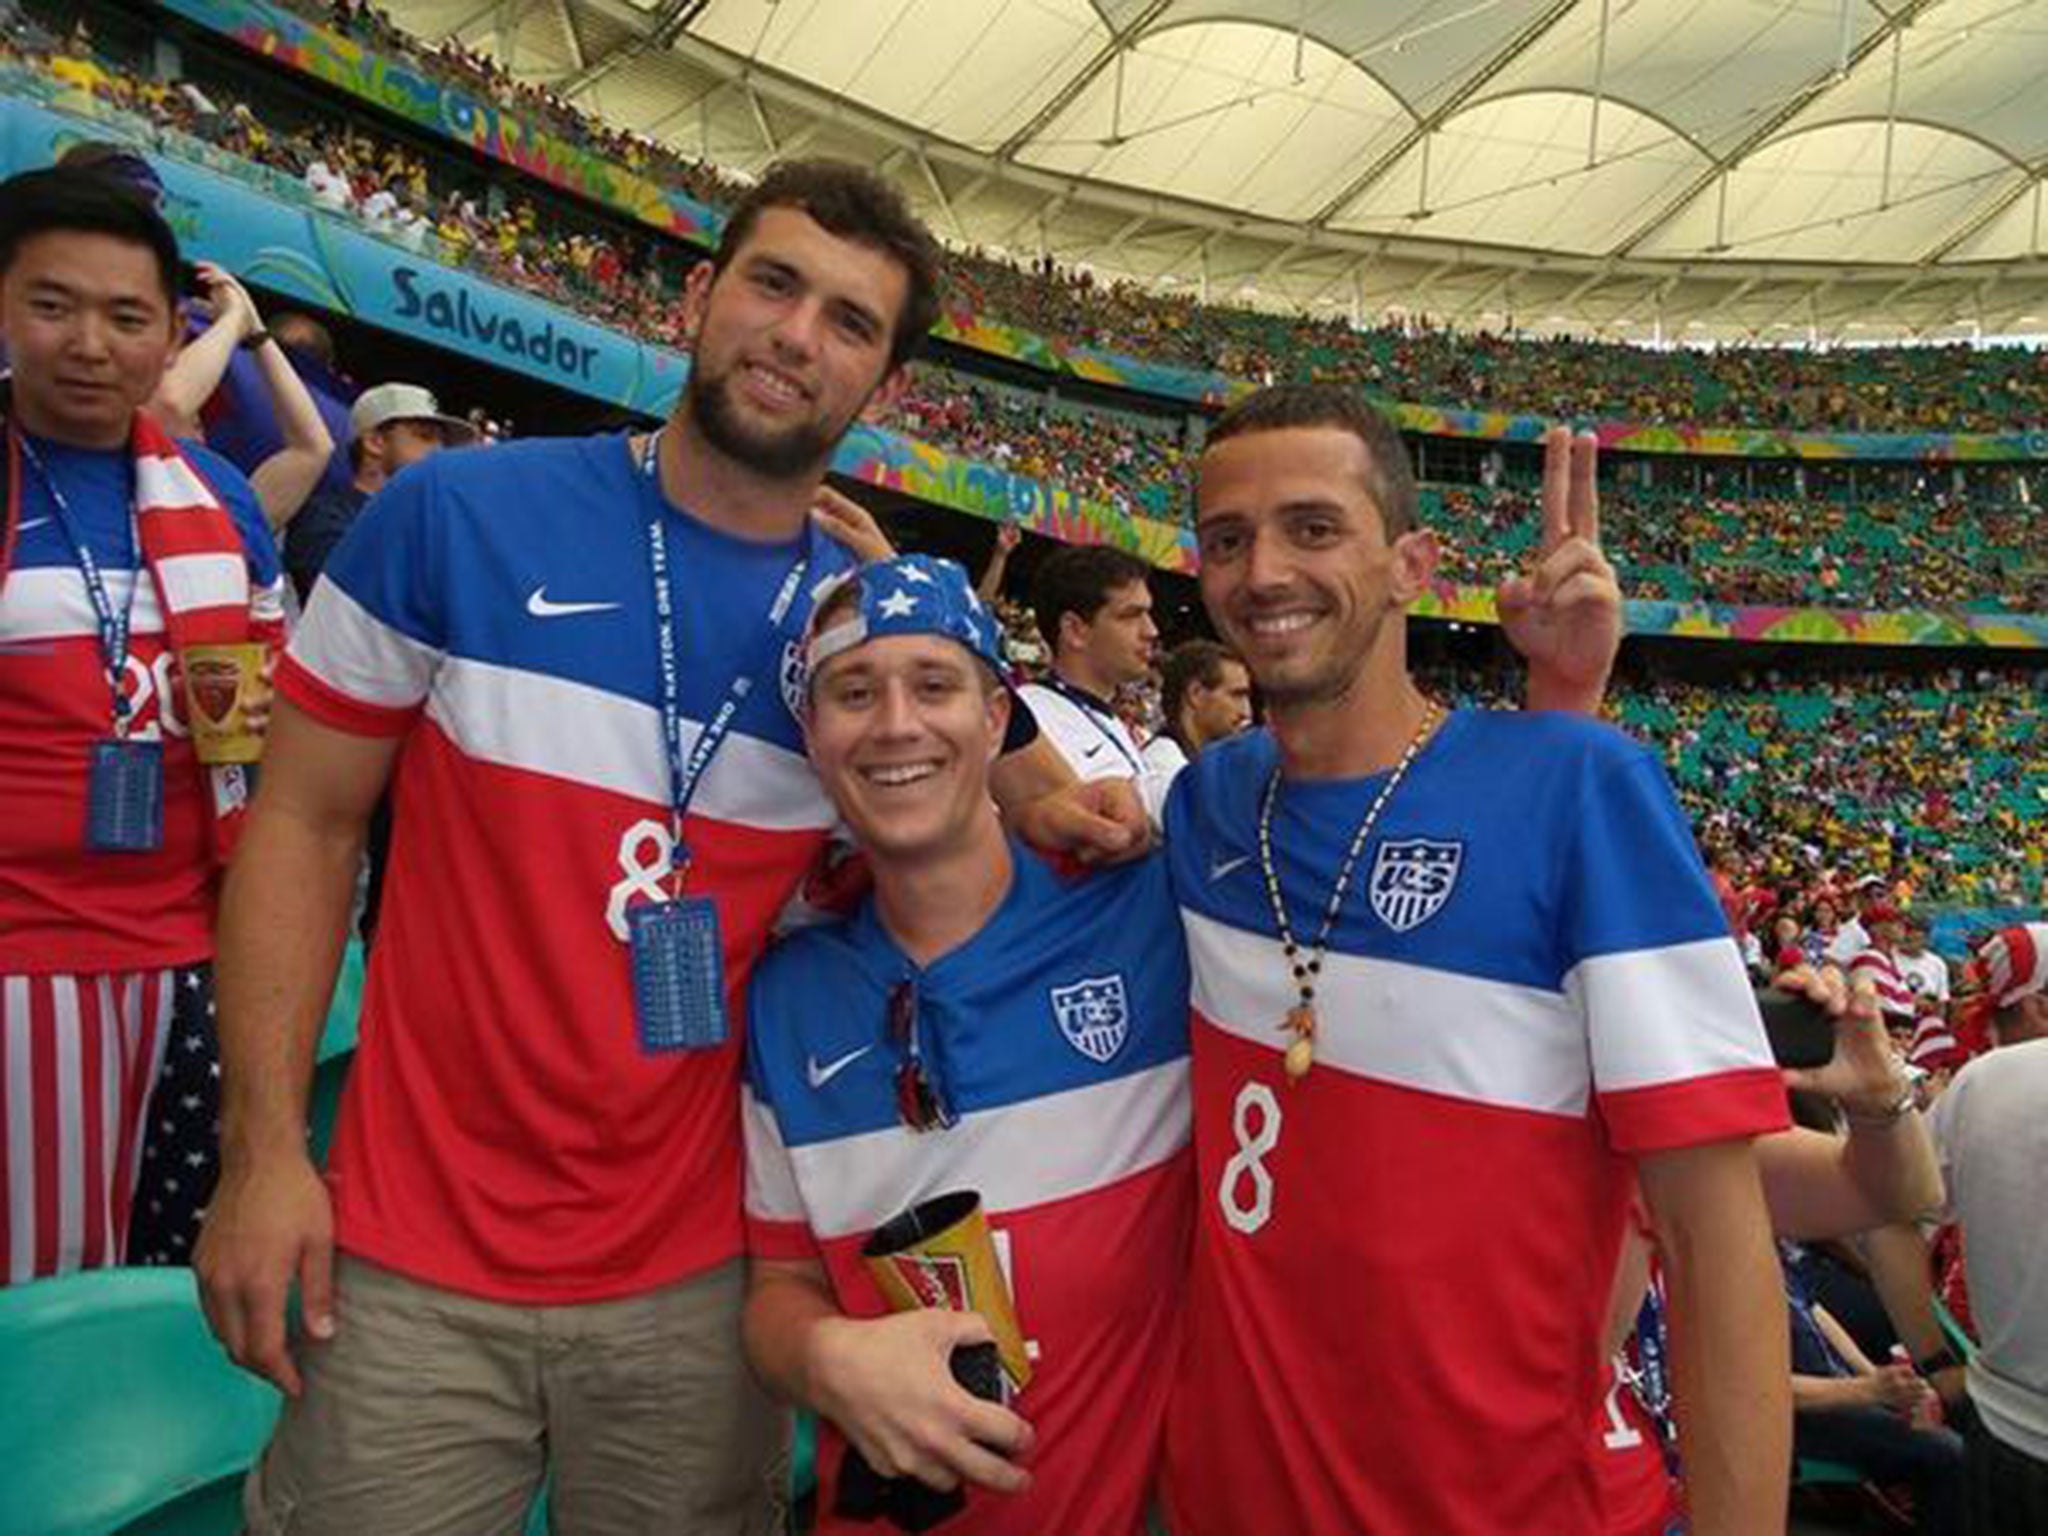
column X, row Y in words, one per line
column 1411, row 880
column 1094, row 1015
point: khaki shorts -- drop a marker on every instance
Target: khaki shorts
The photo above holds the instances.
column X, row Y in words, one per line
column 436, row 1414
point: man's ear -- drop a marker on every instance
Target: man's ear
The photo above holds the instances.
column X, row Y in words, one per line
column 999, row 704
column 697, row 298
column 1073, row 632
column 1415, row 560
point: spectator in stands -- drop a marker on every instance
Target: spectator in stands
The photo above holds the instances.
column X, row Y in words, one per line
column 287, row 477
column 1993, row 1138
column 391, row 427
column 1853, row 936
column 1882, row 1420
column 1882, row 924
column 111, row 831
column 537, row 1172
column 1205, row 696
column 1093, row 605
column 1925, row 972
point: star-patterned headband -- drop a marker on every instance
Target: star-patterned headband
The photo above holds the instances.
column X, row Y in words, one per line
column 906, row 595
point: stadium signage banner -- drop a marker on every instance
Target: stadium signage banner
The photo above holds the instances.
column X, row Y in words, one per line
column 389, row 81
column 330, row 262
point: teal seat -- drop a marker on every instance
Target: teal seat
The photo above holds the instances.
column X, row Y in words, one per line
column 1812, row 1473
column 117, row 1407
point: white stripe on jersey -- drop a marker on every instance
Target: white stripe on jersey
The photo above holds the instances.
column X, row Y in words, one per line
column 19, row 1087
column 596, row 738
column 49, row 602
column 1486, row 1042
column 170, row 482
column 353, row 652
column 1667, row 1015
column 1017, row 1155
column 69, row 1114
column 772, row 1193
column 192, row 582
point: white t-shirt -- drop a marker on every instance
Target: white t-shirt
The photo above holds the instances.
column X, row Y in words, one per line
column 1094, row 740
column 1993, row 1141
column 1925, row 974
column 1850, row 940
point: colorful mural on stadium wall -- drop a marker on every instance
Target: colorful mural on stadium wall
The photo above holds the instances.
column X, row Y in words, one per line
column 393, row 84
column 1779, row 626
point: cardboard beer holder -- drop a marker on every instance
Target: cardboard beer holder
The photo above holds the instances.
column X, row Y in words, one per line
column 938, row 1254
column 220, row 681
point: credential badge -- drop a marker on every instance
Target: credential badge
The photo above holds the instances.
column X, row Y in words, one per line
column 1411, row 880
column 1094, row 1015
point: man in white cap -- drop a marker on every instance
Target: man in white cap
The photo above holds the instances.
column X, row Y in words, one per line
column 390, row 427
column 1993, row 1140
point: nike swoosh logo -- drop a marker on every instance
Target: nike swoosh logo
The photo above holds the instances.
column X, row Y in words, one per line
column 1091, row 751
column 1219, row 868
column 541, row 607
column 819, row 1076
column 29, row 522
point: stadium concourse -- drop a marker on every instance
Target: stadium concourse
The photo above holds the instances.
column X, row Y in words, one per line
column 1165, row 234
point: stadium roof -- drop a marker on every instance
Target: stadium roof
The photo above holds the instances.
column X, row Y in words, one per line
column 1684, row 169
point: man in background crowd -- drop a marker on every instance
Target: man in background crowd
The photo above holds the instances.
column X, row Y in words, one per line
column 1993, row 1138
column 1094, row 610
column 1206, row 695
column 391, row 427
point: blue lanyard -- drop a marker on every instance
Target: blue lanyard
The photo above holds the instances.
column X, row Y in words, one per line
column 115, row 628
column 1086, row 705
column 686, row 773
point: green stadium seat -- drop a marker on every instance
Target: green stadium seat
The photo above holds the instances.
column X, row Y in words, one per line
column 337, row 1050
column 120, row 1407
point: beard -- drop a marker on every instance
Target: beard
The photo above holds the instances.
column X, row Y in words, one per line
column 794, row 452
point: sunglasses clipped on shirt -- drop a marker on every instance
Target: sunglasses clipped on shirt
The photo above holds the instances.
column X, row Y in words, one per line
column 919, row 1102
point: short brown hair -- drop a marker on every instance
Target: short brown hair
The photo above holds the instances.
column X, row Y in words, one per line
column 1077, row 579
column 1189, row 663
column 1389, row 477
column 852, row 202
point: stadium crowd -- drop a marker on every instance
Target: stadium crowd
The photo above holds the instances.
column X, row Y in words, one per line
column 1824, row 803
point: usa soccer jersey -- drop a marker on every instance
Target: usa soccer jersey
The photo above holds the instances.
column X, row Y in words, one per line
column 504, row 1133
column 1401, row 1260
column 63, row 910
column 1058, row 1035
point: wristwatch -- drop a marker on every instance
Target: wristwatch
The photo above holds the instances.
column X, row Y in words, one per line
column 254, row 339
column 1895, row 1110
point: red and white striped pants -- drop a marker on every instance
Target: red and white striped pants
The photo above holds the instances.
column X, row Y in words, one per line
column 78, row 1056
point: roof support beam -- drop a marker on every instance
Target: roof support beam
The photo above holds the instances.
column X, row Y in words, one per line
column 664, row 26
column 1895, row 22
column 1435, row 119
column 1111, row 53
column 1985, row 216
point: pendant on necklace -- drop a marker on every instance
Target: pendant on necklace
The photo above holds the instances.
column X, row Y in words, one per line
column 1301, row 1050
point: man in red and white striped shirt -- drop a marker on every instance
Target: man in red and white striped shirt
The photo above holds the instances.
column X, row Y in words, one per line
column 1878, row 962
column 113, row 542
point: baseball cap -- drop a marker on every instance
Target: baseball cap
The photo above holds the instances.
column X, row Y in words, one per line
column 904, row 595
column 2014, row 961
column 1884, row 912
column 386, row 403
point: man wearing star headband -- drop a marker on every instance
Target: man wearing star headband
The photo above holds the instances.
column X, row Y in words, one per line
column 982, row 1023
column 1458, row 980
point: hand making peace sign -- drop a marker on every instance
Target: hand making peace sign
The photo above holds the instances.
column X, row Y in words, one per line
column 1564, row 614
